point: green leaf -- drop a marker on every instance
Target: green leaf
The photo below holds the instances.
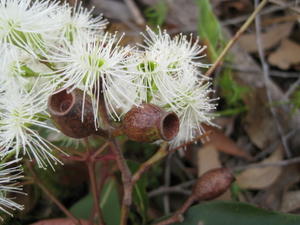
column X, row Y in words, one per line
column 231, row 90
column 232, row 112
column 83, row 208
column 140, row 197
column 296, row 100
column 209, row 29
column 229, row 213
column 157, row 14
column 109, row 203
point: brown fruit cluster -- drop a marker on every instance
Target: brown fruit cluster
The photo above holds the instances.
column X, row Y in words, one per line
column 145, row 123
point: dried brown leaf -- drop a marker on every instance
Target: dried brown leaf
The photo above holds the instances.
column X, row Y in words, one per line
column 286, row 55
column 270, row 38
column 271, row 198
column 290, row 201
column 208, row 158
column 260, row 178
column 259, row 123
column 224, row 144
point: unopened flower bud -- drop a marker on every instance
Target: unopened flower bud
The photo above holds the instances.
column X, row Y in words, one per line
column 68, row 114
column 148, row 123
column 212, row 184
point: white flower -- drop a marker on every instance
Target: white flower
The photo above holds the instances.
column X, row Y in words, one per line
column 9, row 174
column 165, row 63
column 19, row 69
column 118, row 104
column 89, row 63
column 153, row 76
column 21, row 114
column 179, row 52
column 11, row 67
column 193, row 107
column 26, row 23
column 74, row 20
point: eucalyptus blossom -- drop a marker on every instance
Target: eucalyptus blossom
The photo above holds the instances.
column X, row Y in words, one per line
column 48, row 47
column 27, row 23
column 96, row 64
column 76, row 20
column 21, row 113
column 10, row 173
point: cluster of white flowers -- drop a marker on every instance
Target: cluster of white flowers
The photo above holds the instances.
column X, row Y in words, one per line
column 30, row 32
column 46, row 45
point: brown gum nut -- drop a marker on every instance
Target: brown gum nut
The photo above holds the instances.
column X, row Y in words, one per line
column 148, row 123
column 212, row 184
column 66, row 110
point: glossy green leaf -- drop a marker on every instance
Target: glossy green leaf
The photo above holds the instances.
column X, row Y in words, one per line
column 140, row 197
column 109, row 203
column 83, row 208
column 235, row 213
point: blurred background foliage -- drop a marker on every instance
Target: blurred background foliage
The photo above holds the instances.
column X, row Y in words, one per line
column 248, row 132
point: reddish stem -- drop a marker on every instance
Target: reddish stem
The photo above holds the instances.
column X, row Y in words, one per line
column 52, row 197
column 126, row 179
column 91, row 170
column 178, row 215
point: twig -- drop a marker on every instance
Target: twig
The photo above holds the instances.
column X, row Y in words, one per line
column 271, row 164
column 176, row 187
column 284, row 4
column 181, row 166
column 121, row 162
column 92, row 176
column 191, row 142
column 135, row 12
column 89, row 160
column 160, row 154
column 126, row 179
column 268, row 10
column 274, row 73
column 266, row 77
column 100, row 150
column 169, row 190
column 178, row 215
column 236, row 37
column 272, row 146
column 51, row 196
column 231, row 21
column 292, row 88
column 167, row 179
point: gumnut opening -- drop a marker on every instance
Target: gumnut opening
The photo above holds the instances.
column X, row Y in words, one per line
column 148, row 123
column 212, row 184
column 66, row 110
